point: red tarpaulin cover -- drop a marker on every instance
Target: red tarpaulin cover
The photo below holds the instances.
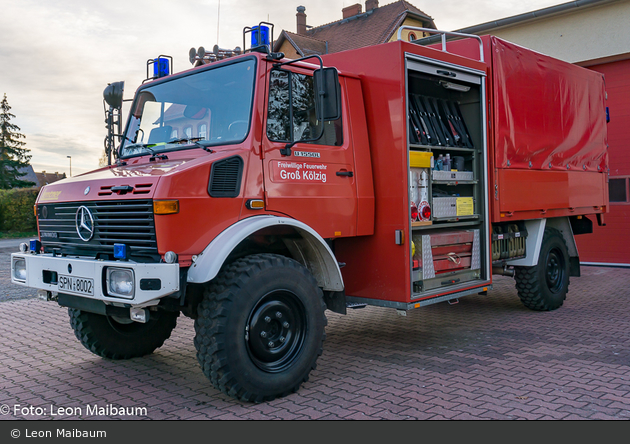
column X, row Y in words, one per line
column 546, row 111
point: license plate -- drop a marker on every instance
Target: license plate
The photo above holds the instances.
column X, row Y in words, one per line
column 73, row 284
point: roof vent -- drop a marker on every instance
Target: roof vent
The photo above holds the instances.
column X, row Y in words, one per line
column 370, row 4
column 351, row 11
column 301, row 20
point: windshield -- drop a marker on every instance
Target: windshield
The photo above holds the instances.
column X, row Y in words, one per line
column 211, row 107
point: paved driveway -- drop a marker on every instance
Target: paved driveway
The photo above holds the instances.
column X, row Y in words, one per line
column 487, row 357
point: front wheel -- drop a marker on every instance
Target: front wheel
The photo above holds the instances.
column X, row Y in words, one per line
column 115, row 338
column 544, row 287
column 260, row 328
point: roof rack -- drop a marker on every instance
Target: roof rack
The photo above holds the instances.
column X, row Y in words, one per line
column 443, row 35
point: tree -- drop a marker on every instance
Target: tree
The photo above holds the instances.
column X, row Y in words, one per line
column 102, row 161
column 13, row 156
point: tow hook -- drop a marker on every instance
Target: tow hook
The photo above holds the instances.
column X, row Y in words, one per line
column 46, row 295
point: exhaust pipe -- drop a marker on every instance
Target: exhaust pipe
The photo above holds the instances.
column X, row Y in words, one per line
column 504, row 271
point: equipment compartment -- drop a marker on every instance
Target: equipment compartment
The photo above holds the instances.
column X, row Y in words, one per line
column 445, row 121
column 452, row 254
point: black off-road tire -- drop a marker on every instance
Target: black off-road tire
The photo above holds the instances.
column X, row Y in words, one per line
column 260, row 327
column 112, row 339
column 544, row 287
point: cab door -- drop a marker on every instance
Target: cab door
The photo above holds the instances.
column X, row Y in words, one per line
column 312, row 180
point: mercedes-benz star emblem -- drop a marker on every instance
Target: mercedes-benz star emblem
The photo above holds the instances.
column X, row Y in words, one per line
column 85, row 223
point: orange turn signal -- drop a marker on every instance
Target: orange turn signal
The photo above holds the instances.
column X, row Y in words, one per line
column 165, row 206
column 255, row 204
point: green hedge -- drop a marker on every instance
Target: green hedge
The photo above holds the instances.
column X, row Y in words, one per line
column 16, row 209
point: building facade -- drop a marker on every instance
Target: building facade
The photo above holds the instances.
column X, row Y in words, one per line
column 593, row 34
column 356, row 29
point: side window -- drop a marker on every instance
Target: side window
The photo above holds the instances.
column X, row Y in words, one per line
column 278, row 127
column 618, row 190
column 291, row 112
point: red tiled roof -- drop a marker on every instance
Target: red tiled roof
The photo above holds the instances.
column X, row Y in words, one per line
column 365, row 29
column 305, row 45
column 45, row 178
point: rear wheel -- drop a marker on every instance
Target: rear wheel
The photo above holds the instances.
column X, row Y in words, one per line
column 260, row 328
column 544, row 287
column 116, row 338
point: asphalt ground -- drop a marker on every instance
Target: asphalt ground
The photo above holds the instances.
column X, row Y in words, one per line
column 485, row 358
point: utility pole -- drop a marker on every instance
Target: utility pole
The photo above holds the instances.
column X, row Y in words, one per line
column 70, row 157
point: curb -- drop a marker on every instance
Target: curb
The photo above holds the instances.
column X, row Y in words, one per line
column 9, row 249
column 12, row 245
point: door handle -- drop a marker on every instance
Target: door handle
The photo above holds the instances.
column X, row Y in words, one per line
column 446, row 73
column 345, row 173
column 123, row 188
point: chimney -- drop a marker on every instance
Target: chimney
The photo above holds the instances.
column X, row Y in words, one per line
column 301, row 20
column 370, row 4
column 351, row 11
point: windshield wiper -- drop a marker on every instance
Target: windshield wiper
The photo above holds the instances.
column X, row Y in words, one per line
column 192, row 140
column 137, row 145
column 147, row 147
column 198, row 141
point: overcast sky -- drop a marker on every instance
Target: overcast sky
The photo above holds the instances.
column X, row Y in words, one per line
column 57, row 56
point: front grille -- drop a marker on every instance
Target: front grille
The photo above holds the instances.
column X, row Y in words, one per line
column 127, row 222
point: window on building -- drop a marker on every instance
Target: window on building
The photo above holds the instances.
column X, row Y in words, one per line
column 618, row 190
column 203, row 131
column 174, row 133
column 188, row 132
column 291, row 111
column 412, row 36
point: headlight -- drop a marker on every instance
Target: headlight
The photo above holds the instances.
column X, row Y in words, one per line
column 120, row 282
column 19, row 269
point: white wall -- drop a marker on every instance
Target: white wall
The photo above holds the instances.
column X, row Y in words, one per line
column 590, row 33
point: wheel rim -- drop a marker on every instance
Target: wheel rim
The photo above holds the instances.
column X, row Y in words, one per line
column 276, row 331
column 555, row 271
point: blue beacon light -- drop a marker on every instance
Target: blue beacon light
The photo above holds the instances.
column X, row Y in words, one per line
column 35, row 245
column 120, row 251
column 160, row 67
column 260, row 36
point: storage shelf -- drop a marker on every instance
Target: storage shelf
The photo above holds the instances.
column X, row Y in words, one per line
column 455, row 182
column 421, row 223
column 455, row 218
column 439, row 147
column 447, row 224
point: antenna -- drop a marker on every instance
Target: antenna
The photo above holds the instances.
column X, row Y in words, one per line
column 218, row 15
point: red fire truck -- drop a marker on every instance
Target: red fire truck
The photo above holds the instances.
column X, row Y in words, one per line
column 255, row 192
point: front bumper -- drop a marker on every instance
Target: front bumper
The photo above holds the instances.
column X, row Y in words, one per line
column 43, row 272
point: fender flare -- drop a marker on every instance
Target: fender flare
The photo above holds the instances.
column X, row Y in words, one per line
column 536, row 231
column 314, row 252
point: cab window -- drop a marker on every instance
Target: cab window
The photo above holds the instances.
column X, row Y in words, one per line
column 291, row 115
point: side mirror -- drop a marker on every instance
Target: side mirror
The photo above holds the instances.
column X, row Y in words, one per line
column 326, row 82
column 113, row 94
